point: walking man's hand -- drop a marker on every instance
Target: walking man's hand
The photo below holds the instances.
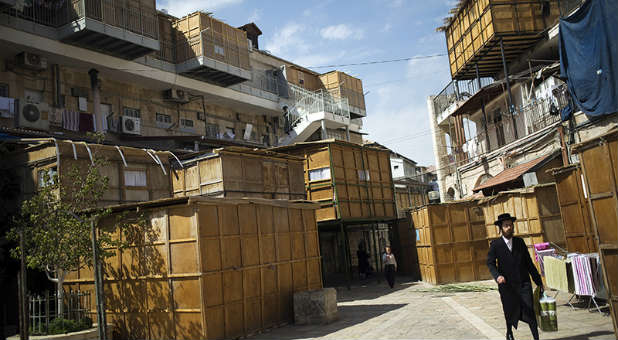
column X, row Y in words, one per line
column 501, row 280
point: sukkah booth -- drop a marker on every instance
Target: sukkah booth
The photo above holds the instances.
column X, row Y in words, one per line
column 241, row 172
column 355, row 187
column 452, row 242
column 134, row 174
column 537, row 211
column 211, row 268
column 578, row 231
column 599, row 161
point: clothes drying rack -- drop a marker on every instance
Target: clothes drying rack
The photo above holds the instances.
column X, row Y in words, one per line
column 592, row 298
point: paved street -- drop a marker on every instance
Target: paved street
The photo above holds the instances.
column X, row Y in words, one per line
column 415, row 310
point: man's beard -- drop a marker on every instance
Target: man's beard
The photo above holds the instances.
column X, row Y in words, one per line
column 507, row 235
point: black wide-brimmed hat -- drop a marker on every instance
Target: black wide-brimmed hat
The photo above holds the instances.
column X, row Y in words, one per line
column 504, row 217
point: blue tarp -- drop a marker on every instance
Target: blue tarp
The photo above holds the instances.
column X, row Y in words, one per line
column 589, row 56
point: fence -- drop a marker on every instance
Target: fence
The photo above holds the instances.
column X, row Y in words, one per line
column 458, row 90
column 308, row 102
column 126, row 15
column 44, row 308
column 537, row 114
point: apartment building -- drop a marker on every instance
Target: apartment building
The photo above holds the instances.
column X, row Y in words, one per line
column 145, row 78
column 497, row 125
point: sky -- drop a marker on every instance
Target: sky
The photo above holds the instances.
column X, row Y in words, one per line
column 328, row 32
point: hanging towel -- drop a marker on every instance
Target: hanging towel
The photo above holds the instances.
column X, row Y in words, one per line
column 70, row 120
column 542, row 254
column 556, row 274
column 86, row 122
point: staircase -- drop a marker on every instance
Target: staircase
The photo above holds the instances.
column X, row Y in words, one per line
column 309, row 110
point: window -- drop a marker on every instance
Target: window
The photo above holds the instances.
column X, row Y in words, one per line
column 47, row 176
column 135, row 178
column 363, row 175
column 396, row 166
column 131, row 112
column 163, row 118
column 212, row 130
column 4, row 90
column 230, row 133
column 219, row 50
column 319, row 174
column 186, row 122
column 266, row 140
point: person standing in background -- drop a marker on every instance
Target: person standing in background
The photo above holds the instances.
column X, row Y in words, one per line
column 390, row 266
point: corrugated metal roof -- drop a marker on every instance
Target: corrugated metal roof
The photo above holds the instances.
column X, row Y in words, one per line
column 511, row 174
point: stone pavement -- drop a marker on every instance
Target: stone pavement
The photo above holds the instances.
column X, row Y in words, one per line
column 413, row 311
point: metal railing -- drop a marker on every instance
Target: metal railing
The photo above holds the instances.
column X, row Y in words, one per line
column 307, row 102
column 112, row 12
column 458, row 90
column 537, row 114
column 264, row 81
column 540, row 113
column 44, row 308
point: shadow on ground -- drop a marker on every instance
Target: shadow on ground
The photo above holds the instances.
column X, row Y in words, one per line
column 371, row 288
column 591, row 335
column 348, row 317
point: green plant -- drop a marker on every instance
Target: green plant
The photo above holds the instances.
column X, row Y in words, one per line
column 61, row 326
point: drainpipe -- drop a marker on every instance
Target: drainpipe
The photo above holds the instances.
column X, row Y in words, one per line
column 95, row 84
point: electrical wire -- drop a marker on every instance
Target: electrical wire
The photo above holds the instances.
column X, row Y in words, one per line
column 383, row 61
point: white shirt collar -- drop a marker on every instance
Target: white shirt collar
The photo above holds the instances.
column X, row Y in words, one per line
column 509, row 243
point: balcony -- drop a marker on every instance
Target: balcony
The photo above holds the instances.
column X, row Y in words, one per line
column 484, row 32
column 310, row 109
column 122, row 29
column 536, row 115
column 263, row 84
column 212, row 51
column 456, row 92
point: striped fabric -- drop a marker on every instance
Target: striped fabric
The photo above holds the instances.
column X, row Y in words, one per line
column 70, row 120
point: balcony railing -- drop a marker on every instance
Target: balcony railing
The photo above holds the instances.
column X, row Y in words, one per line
column 458, row 90
column 537, row 115
column 115, row 13
column 307, row 102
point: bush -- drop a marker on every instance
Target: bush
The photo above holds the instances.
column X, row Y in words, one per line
column 63, row 326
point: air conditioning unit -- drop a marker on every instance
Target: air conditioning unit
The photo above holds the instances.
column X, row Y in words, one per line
column 33, row 115
column 31, row 61
column 130, row 125
column 176, row 95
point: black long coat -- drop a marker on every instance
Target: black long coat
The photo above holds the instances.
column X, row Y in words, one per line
column 516, row 266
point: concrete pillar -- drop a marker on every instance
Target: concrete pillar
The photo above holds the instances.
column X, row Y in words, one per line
column 95, row 84
column 439, row 148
